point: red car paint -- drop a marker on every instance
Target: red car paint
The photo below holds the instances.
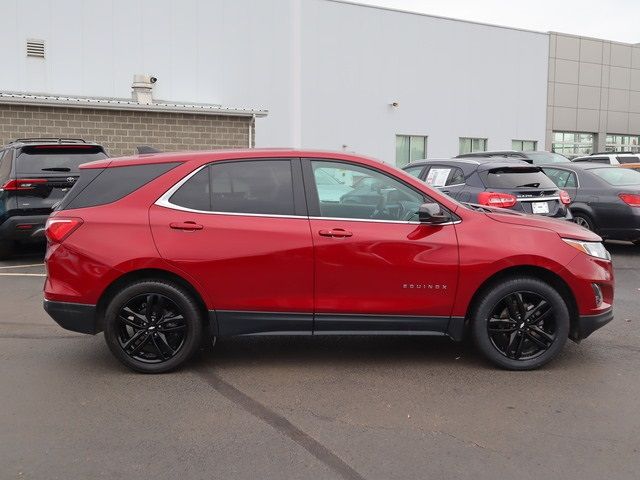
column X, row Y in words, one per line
column 270, row 264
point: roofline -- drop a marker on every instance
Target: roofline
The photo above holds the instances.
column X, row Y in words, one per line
column 587, row 37
column 35, row 100
column 439, row 17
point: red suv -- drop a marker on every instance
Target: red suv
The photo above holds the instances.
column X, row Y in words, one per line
column 164, row 251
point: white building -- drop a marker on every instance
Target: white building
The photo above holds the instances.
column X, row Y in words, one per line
column 332, row 74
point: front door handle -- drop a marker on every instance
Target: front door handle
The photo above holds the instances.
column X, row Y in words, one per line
column 186, row 226
column 336, row 233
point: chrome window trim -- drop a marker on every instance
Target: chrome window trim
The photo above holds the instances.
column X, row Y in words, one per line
column 163, row 201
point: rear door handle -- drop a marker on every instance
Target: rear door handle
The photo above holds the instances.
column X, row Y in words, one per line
column 187, row 226
column 336, row 233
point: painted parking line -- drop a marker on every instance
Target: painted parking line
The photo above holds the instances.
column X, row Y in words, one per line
column 23, row 266
column 13, row 274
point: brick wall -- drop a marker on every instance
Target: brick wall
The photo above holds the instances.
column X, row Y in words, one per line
column 121, row 131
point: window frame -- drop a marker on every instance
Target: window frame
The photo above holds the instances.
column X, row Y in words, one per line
column 313, row 202
column 575, row 145
column 299, row 202
column 522, row 142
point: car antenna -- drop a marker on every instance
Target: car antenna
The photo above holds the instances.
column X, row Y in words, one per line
column 145, row 149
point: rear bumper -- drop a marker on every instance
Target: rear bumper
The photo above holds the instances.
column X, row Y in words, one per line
column 24, row 228
column 587, row 324
column 76, row 317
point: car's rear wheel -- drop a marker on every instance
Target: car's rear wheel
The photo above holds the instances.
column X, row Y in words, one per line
column 153, row 326
column 584, row 220
column 520, row 323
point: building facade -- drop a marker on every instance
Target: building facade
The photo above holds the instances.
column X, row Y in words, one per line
column 593, row 95
column 332, row 74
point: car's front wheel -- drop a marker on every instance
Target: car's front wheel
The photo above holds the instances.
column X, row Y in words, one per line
column 153, row 326
column 520, row 323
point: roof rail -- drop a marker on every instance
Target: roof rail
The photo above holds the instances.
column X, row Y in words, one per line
column 48, row 139
column 616, row 152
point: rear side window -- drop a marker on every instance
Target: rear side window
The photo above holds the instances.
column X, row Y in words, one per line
column 101, row 186
column 509, row 177
column 617, row 176
column 254, row 187
column 562, row 178
column 443, row 176
column 56, row 158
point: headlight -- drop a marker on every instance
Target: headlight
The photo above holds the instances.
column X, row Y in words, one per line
column 594, row 249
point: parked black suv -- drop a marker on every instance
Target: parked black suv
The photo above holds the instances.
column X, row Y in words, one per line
column 495, row 182
column 35, row 174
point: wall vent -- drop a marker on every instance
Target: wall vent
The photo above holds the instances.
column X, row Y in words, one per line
column 35, row 48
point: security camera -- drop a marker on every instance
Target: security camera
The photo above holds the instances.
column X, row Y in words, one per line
column 394, row 104
column 153, row 79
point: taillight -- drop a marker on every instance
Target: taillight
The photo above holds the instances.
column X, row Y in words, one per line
column 495, row 199
column 22, row 184
column 57, row 228
column 632, row 199
column 565, row 198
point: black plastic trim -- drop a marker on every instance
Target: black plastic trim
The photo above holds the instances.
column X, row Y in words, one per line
column 587, row 324
column 231, row 323
column 370, row 324
column 76, row 317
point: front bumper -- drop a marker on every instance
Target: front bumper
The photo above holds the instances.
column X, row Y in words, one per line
column 587, row 324
column 24, row 228
column 76, row 317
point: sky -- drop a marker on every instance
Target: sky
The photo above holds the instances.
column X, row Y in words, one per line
column 607, row 19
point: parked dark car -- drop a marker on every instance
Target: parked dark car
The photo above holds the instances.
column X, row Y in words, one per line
column 605, row 199
column 494, row 182
column 35, row 174
column 538, row 157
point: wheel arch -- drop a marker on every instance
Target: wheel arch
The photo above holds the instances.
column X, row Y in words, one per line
column 532, row 271
column 152, row 274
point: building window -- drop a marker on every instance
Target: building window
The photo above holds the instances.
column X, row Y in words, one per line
column 410, row 148
column 524, row 145
column 572, row 143
column 623, row 143
column 470, row 145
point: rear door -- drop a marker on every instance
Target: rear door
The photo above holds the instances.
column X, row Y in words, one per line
column 45, row 173
column 564, row 179
column 241, row 229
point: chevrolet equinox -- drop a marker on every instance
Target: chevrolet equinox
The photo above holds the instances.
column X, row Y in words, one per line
column 164, row 251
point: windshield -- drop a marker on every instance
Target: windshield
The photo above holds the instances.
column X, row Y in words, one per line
column 56, row 159
column 618, row 176
column 509, row 177
column 547, row 157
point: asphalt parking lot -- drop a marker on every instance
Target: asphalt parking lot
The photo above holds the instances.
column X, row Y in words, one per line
column 373, row 408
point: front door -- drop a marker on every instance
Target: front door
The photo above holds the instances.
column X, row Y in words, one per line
column 239, row 228
column 377, row 269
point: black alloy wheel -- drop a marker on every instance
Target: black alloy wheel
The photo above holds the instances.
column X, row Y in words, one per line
column 153, row 326
column 520, row 323
column 522, row 326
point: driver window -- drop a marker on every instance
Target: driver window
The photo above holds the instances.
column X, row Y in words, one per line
column 350, row 191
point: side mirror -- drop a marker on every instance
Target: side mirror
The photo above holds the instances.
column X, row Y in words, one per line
column 433, row 214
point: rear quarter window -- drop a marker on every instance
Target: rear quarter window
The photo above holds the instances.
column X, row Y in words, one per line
column 56, row 158
column 102, row 186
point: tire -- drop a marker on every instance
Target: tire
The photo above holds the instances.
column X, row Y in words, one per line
column 584, row 220
column 6, row 250
column 511, row 343
column 165, row 320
